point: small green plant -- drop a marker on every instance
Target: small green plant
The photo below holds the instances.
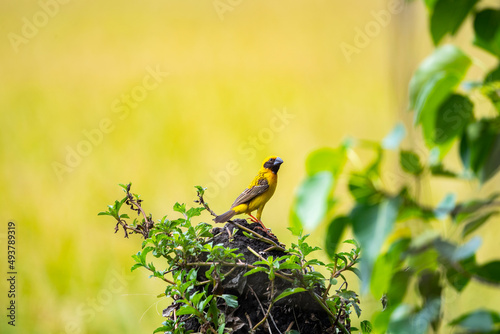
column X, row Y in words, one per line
column 196, row 271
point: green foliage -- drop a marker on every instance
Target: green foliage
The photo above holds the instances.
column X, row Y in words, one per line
column 447, row 16
column 480, row 321
column 487, row 30
column 393, row 261
column 312, row 199
column 177, row 245
column 431, row 88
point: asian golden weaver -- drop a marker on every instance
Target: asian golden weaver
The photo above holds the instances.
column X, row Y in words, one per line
column 255, row 197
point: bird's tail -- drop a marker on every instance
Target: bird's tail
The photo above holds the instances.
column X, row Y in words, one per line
column 225, row 216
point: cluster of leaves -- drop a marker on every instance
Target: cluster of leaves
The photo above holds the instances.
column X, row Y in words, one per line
column 295, row 268
column 393, row 259
column 181, row 248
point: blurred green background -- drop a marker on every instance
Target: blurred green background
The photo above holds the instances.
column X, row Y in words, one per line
column 168, row 95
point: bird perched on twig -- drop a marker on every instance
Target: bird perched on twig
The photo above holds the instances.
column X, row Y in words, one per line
column 255, row 197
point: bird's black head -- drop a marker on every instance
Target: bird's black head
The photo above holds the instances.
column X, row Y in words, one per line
column 273, row 163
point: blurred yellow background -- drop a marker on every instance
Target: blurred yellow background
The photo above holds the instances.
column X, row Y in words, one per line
column 169, row 95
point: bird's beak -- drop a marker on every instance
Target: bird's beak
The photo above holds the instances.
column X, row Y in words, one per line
column 278, row 161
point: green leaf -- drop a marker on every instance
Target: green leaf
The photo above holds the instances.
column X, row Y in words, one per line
column 381, row 275
column 433, row 81
column 452, row 117
column 421, row 261
column 446, row 206
column 118, row 204
column 255, row 270
column 356, row 271
column 385, row 266
column 288, row 292
column 430, row 4
column 489, row 272
column 363, row 190
column 196, row 297
column 104, row 213
column 334, row 233
column 429, row 285
column 439, row 170
column 194, row 212
column 398, row 286
column 162, row 329
column 135, row 266
column 447, row 17
column 492, row 163
column 230, row 300
column 487, row 30
column 144, row 253
column 366, row 327
column 200, row 190
column 452, row 253
column 491, row 87
column 394, row 138
column 406, row 320
column 459, row 280
column 435, row 93
column 326, row 159
column 348, row 294
column 371, row 226
column 125, row 186
column 410, row 162
column 311, row 202
column 357, row 309
column 477, row 223
column 479, row 321
column 186, row 309
column 180, row 207
column 480, row 148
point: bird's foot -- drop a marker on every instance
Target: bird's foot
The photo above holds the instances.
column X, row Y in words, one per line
column 267, row 231
column 261, row 227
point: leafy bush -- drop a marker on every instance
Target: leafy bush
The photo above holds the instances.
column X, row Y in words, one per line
column 394, row 261
column 196, row 270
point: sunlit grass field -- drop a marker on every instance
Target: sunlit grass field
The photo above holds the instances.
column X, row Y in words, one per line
column 169, row 95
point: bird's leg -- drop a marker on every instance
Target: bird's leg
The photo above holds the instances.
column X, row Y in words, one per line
column 255, row 220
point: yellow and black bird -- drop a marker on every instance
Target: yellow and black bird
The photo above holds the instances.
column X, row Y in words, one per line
column 255, row 197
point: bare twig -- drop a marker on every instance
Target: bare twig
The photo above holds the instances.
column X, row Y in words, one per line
column 258, row 236
column 266, row 315
column 261, row 307
column 136, row 206
column 202, row 202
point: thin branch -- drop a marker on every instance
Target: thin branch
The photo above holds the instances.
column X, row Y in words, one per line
column 163, row 278
column 348, row 266
column 202, row 202
column 271, row 303
column 261, row 307
column 136, row 206
column 126, row 227
column 239, row 265
column 258, row 236
column 325, row 307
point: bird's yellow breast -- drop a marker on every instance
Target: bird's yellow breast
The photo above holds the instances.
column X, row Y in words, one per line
column 261, row 200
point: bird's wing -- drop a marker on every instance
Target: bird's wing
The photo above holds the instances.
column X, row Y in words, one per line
column 250, row 193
